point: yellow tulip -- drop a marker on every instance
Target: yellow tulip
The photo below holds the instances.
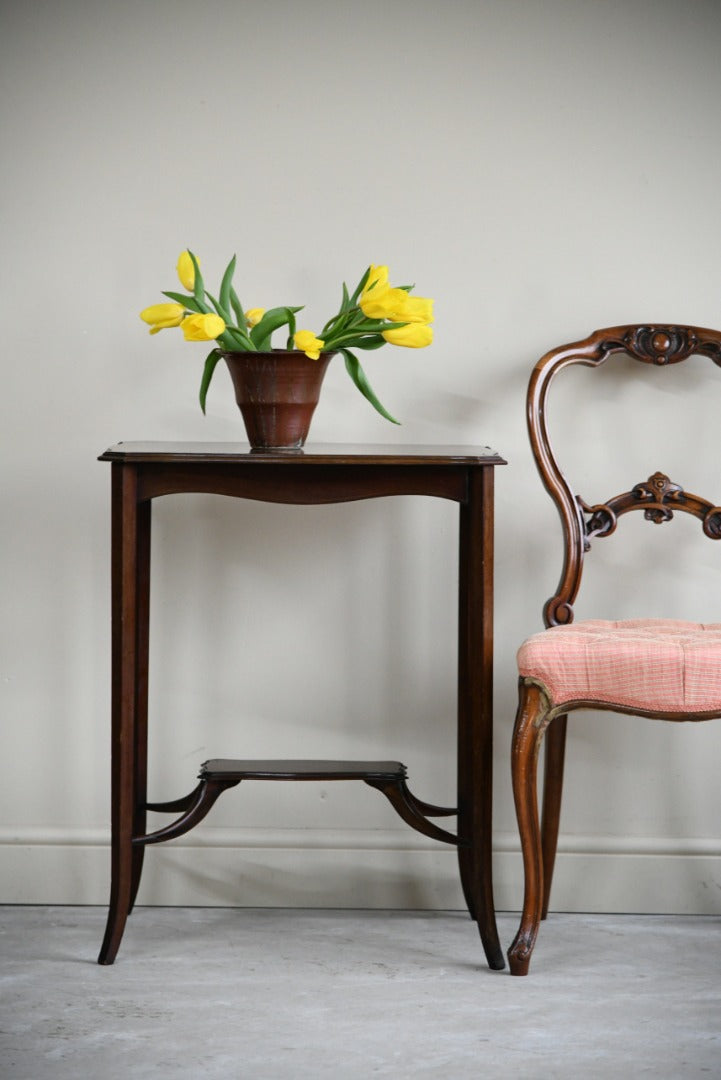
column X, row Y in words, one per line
column 161, row 316
column 308, row 343
column 377, row 276
column 254, row 315
column 396, row 306
column 186, row 271
column 414, row 309
column 383, row 302
column 380, row 301
column 202, row 327
column 413, row 336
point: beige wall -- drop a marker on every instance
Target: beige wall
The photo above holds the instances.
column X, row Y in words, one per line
column 541, row 169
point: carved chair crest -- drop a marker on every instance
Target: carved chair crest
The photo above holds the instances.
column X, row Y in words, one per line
column 658, row 496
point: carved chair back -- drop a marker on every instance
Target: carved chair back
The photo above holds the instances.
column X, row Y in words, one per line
column 658, row 496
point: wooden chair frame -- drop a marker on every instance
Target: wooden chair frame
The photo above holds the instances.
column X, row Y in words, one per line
column 658, row 497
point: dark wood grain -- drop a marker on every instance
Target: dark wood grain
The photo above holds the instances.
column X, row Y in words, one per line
column 324, row 453
column 144, row 471
column 279, row 769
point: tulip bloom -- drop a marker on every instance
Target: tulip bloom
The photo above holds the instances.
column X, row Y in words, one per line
column 414, row 309
column 412, row 336
column 161, row 316
column 396, row 306
column 254, row 315
column 383, row 302
column 308, row 343
column 377, row 277
column 186, row 271
column 202, row 327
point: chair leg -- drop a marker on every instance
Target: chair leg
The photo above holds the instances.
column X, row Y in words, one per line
column 531, row 721
column 554, row 754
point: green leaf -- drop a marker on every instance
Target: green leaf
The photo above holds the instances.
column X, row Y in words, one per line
column 360, row 287
column 348, row 311
column 335, row 326
column 225, row 287
column 237, row 308
column 235, row 340
column 373, row 341
column 223, row 312
column 211, row 361
column 291, row 327
column 199, row 288
column 359, row 377
column 349, row 337
column 273, row 319
column 188, row 302
column 370, row 326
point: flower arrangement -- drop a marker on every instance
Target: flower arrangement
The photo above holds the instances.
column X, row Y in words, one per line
column 374, row 314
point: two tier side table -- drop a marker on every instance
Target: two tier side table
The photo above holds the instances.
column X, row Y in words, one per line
column 143, row 471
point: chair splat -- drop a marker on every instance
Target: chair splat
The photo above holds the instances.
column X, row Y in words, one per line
column 658, row 497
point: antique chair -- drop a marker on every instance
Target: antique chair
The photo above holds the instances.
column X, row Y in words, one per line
column 667, row 669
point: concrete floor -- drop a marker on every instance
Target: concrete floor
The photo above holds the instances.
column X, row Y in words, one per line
column 217, row 994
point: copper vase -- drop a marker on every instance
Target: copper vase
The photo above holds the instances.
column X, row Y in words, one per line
column 277, row 393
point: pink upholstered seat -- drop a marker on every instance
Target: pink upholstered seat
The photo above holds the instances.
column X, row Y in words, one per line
column 662, row 665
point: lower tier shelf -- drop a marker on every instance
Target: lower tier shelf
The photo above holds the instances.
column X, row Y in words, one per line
column 220, row 774
column 227, row 769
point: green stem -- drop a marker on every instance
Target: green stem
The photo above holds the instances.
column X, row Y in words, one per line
column 339, row 321
column 237, row 340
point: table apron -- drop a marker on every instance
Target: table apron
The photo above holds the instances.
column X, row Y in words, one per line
column 311, row 484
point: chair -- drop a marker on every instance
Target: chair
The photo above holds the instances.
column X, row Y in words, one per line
column 666, row 669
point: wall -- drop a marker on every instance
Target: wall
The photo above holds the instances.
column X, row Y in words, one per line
column 541, row 169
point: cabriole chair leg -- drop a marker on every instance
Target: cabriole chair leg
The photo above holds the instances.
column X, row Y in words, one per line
column 554, row 752
column 531, row 721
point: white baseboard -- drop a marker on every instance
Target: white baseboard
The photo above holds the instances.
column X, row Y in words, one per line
column 358, row 869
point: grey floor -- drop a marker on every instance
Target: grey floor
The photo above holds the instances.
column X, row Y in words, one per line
column 212, row 994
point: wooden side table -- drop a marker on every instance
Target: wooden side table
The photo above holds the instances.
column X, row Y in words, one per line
column 142, row 472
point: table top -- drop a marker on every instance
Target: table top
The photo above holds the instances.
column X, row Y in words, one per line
column 188, row 453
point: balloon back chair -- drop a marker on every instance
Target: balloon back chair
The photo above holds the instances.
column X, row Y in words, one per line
column 661, row 668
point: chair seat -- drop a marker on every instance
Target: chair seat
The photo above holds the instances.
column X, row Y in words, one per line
column 653, row 665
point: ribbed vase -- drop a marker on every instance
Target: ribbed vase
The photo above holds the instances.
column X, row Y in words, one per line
column 277, row 393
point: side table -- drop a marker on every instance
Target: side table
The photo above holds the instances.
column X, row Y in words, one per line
column 143, row 471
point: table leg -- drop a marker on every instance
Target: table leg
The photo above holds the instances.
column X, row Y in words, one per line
column 475, row 709
column 142, row 593
column 130, row 604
